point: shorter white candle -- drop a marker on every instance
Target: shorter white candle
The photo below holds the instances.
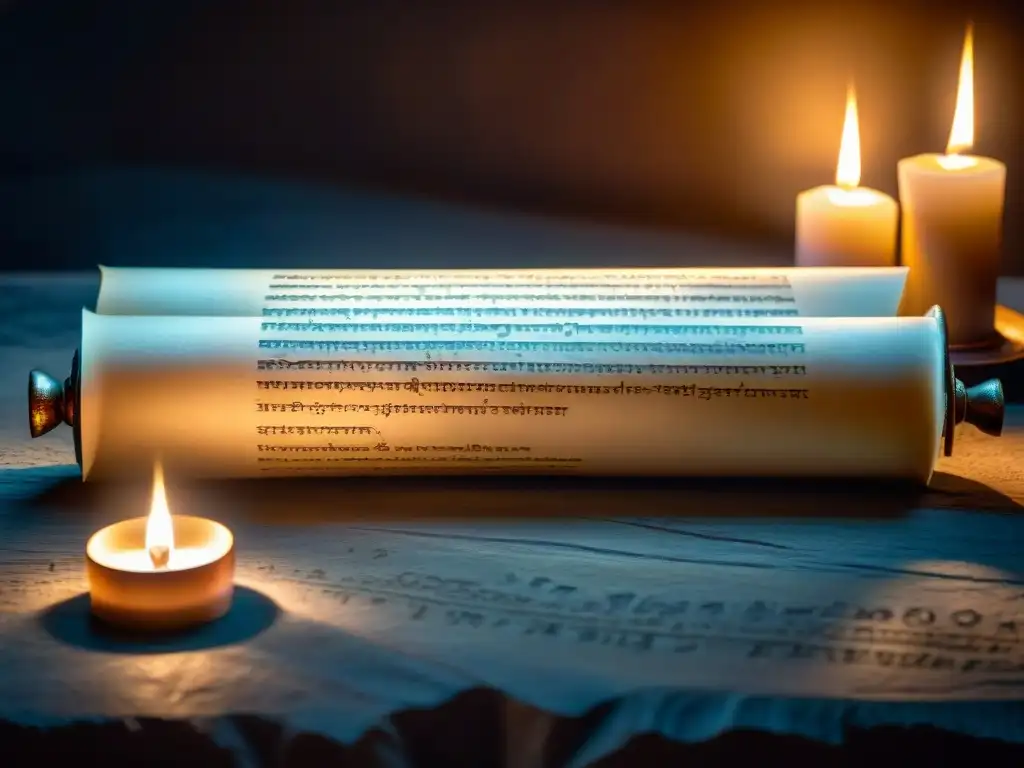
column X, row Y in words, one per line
column 953, row 225
column 846, row 225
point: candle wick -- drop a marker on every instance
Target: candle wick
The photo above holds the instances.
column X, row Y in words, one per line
column 159, row 556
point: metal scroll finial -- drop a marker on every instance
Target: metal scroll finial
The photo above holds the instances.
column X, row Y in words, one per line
column 982, row 405
column 45, row 403
column 50, row 401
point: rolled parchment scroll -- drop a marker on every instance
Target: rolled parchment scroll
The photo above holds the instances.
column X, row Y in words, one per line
column 271, row 396
column 681, row 294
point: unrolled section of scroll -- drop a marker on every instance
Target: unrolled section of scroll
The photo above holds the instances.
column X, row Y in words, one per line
column 251, row 397
column 638, row 294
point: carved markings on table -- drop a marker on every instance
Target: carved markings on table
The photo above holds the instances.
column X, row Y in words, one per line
column 984, row 641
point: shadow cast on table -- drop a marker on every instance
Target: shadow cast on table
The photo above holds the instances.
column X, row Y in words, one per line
column 311, row 500
column 71, row 622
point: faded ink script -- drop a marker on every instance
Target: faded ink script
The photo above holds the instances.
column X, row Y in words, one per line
column 496, row 296
column 513, row 380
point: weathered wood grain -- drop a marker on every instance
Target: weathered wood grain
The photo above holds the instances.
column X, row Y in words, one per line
column 683, row 608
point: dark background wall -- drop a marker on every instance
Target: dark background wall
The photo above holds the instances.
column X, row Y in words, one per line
column 705, row 116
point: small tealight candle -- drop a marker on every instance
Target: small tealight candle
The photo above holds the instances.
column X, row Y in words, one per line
column 846, row 225
column 953, row 225
column 161, row 572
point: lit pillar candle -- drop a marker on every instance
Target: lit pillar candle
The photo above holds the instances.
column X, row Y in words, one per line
column 953, row 225
column 846, row 225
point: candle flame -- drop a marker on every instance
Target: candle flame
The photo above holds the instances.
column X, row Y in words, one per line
column 159, row 527
column 961, row 136
column 848, row 168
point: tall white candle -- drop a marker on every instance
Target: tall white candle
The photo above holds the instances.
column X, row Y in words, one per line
column 953, row 225
column 846, row 224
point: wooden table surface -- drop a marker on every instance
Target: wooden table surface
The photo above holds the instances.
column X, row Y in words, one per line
column 536, row 622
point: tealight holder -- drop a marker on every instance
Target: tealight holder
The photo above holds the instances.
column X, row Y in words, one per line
column 144, row 589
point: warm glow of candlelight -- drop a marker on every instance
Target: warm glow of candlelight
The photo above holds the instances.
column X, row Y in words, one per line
column 159, row 527
column 848, row 168
column 961, row 135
